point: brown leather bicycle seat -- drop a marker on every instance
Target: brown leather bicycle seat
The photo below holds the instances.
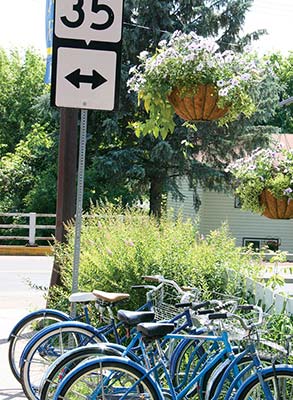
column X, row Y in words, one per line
column 110, row 297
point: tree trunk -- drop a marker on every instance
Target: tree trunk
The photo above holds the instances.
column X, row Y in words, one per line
column 156, row 195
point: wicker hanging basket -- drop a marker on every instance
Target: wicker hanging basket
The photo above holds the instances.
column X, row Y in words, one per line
column 276, row 208
column 199, row 106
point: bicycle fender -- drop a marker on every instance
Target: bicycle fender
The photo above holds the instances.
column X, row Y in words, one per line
column 121, row 349
column 217, row 371
column 278, row 368
column 60, row 314
column 121, row 360
column 65, row 324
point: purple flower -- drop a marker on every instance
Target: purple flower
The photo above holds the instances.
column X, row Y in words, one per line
column 245, row 76
column 287, row 191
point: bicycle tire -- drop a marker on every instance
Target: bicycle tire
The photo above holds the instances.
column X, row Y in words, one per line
column 184, row 362
column 49, row 344
column 65, row 363
column 25, row 329
column 213, row 381
column 121, row 376
column 278, row 379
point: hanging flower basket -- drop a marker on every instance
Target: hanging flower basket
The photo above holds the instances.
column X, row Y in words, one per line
column 220, row 83
column 276, row 208
column 264, row 182
column 199, row 106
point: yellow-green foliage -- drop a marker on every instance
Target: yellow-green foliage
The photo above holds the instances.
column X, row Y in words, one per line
column 118, row 246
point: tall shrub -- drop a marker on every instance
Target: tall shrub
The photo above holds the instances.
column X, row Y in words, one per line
column 118, row 246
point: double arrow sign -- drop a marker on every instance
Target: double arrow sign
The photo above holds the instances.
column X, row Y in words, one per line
column 76, row 78
column 86, row 60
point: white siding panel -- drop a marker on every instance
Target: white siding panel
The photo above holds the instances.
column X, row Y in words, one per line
column 217, row 208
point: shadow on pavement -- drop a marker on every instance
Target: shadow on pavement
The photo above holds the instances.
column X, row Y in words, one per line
column 8, row 394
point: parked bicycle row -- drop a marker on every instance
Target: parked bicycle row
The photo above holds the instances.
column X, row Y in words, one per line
column 175, row 346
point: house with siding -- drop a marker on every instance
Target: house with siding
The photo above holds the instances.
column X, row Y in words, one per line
column 218, row 208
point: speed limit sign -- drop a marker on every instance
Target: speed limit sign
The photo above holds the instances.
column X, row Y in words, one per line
column 87, row 54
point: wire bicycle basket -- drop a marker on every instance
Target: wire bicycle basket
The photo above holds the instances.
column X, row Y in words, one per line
column 164, row 299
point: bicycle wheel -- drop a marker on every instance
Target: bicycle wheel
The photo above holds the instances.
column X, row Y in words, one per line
column 186, row 362
column 25, row 330
column 65, row 363
column 107, row 378
column 279, row 382
column 46, row 347
column 213, row 381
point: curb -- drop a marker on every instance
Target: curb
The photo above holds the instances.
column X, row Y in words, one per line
column 26, row 250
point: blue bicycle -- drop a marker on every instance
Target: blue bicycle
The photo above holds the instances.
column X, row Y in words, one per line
column 120, row 378
column 50, row 343
column 35, row 321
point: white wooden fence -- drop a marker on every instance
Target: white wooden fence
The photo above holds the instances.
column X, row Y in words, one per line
column 272, row 301
column 29, row 224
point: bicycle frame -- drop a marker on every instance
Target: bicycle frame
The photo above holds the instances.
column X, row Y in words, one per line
column 238, row 378
column 152, row 369
column 227, row 351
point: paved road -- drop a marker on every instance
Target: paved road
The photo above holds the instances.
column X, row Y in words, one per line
column 17, row 298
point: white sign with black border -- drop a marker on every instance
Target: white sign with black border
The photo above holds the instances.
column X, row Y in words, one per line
column 87, row 54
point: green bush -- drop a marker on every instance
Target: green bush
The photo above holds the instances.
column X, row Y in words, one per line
column 118, row 246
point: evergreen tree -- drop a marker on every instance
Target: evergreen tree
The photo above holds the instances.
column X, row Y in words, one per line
column 138, row 164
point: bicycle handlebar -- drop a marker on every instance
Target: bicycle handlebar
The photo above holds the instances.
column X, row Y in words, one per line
column 151, row 287
column 208, row 311
column 160, row 279
column 218, row 316
column 217, row 303
column 242, row 321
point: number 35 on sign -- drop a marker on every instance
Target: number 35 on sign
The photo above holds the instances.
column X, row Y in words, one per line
column 89, row 20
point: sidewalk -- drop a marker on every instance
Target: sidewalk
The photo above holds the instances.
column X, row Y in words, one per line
column 17, row 299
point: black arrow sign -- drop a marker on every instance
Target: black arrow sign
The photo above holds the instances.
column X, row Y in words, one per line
column 76, row 78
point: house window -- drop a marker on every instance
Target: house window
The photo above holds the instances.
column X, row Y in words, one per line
column 260, row 243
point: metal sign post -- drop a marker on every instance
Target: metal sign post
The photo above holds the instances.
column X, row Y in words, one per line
column 86, row 63
column 79, row 198
column 79, row 201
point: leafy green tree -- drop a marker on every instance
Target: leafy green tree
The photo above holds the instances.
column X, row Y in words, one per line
column 28, row 175
column 144, row 163
column 28, row 139
column 22, row 81
column 284, row 70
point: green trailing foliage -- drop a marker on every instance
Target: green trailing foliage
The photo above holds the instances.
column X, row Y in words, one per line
column 183, row 64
